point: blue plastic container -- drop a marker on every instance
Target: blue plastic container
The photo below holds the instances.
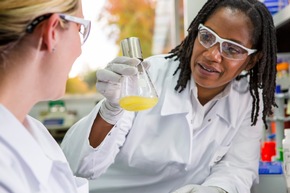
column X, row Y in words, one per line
column 270, row 167
column 275, row 6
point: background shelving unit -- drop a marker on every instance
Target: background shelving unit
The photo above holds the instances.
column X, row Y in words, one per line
column 279, row 118
column 276, row 183
column 282, row 24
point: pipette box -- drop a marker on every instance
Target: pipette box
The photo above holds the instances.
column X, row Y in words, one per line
column 271, row 178
column 274, row 167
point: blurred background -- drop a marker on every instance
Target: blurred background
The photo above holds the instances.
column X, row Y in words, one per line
column 151, row 21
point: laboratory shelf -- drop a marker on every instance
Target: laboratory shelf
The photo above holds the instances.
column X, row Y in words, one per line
column 282, row 17
column 282, row 95
column 285, row 119
column 282, row 25
column 280, row 118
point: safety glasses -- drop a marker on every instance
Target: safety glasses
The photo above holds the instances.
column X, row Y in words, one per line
column 84, row 25
column 228, row 49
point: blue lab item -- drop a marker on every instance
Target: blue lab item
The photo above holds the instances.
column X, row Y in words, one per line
column 278, row 89
column 275, row 6
column 271, row 136
column 55, row 121
column 270, row 167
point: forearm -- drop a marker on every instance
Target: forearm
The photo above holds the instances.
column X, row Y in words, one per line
column 99, row 131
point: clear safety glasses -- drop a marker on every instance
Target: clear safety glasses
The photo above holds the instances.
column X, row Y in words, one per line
column 84, row 25
column 228, row 49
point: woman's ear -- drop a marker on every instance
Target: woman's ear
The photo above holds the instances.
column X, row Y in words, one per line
column 50, row 33
column 254, row 59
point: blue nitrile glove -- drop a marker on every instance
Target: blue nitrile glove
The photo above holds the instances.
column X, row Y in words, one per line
column 199, row 189
column 109, row 85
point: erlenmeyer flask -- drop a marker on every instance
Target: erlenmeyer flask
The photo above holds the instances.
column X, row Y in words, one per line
column 137, row 92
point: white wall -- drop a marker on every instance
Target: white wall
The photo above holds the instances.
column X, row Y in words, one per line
column 191, row 8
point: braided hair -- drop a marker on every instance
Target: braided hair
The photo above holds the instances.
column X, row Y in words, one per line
column 262, row 75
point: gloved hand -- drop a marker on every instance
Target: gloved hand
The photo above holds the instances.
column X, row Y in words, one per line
column 109, row 85
column 192, row 188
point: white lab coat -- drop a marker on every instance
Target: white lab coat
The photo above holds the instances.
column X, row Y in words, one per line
column 33, row 163
column 178, row 142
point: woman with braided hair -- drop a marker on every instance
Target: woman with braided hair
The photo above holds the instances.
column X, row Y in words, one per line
column 215, row 91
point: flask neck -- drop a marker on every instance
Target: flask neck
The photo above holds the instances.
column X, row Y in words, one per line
column 131, row 48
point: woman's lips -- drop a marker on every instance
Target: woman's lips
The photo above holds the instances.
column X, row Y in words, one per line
column 208, row 68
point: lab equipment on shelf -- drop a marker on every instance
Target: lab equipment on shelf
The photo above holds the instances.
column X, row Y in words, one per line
column 286, row 156
column 57, row 119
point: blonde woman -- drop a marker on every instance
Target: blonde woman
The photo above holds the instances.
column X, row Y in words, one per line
column 35, row 36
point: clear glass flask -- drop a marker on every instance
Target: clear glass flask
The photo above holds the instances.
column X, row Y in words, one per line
column 137, row 92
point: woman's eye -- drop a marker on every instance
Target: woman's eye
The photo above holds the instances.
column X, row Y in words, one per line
column 207, row 37
column 232, row 49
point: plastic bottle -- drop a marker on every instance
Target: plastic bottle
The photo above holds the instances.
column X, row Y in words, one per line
column 283, row 78
column 268, row 151
column 286, row 157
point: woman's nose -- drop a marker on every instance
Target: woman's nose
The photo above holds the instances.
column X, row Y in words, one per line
column 213, row 53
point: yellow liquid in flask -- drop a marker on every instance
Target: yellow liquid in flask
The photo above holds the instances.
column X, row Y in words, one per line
column 137, row 103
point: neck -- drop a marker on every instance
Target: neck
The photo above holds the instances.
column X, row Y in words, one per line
column 20, row 79
column 17, row 94
column 204, row 95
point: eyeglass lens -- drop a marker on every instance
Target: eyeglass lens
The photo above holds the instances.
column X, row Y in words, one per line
column 82, row 32
column 228, row 49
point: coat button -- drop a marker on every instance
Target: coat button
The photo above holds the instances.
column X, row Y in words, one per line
column 209, row 120
column 218, row 158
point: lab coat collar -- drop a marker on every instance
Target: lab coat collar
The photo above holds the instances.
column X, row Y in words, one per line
column 174, row 105
column 17, row 137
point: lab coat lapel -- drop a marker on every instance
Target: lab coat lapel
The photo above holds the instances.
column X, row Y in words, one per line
column 226, row 107
column 16, row 136
column 175, row 102
column 46, row 141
